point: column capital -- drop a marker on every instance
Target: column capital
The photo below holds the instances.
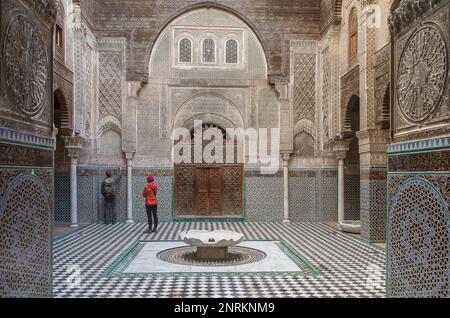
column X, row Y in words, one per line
column 134, row 89
column 340, row 147
column 281, row 86
column 129, row 155
column 73, row 144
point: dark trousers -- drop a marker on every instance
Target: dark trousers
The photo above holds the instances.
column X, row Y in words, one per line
column 110, row 215
column 152, row 216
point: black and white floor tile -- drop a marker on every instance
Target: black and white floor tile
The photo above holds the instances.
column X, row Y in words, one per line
column 350, row 267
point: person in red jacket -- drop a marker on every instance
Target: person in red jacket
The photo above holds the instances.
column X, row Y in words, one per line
column 151, row 204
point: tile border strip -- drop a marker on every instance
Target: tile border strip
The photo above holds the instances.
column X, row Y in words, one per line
column 16, row 137
column 434, row 144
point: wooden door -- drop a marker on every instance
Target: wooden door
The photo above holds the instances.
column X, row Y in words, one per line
column 216, row 191
column 202, row 190
column 209, row 190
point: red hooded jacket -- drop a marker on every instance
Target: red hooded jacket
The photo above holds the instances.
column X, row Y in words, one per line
column 150, row 191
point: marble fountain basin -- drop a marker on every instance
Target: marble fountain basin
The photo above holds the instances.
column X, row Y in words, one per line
column 211, row 244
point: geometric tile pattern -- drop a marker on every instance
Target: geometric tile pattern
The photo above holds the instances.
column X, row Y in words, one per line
column 302, row 199
column 264, row 199
column 373, row 210
column 349, row 267
column 25, row 252
column 352, row 197
column 327, row 198
column 86, row 196
column 90, row 199
column 313, row 199
column 418, row 240
column 62, row 199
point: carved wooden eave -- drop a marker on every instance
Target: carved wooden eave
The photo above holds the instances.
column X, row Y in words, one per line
column 409, row 11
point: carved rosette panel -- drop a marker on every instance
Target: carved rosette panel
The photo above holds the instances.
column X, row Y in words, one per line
column 422, row 74
column 26, row 65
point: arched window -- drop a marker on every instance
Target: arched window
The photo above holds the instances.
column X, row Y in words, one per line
column 59, row 31
column 231, row 52
column 185, row 51
column 353, row 36
column 209, row 51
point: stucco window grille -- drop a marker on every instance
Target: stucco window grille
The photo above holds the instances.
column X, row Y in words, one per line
column 209, row 51
column 231, row 52
column 185, row 50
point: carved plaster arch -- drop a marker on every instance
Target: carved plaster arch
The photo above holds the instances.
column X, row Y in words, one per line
column 209, row 5
column 181, row 110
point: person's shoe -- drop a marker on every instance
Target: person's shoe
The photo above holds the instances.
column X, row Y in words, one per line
column 155, row 231
column 147, row 231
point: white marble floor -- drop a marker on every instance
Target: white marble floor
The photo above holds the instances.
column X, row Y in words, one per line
column 349, row 267
column 146, row 261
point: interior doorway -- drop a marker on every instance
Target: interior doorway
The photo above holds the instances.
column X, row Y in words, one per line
column 205, row 190
column 352, row 168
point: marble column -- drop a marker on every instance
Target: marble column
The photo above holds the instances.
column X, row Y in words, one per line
column 73, row 193
column 341, row 189
column 286, row 187
column 340, row 147
column 286, row 134
column 73, row 145
column 129, row 157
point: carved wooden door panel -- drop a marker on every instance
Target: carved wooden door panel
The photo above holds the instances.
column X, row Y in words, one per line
column 216, row 191
column 202, row 190
column 209, row 190
column 184, row 186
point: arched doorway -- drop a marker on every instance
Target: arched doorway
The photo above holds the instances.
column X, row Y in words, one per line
column 206, row 64
column 62, row 162
column 209, row 189
column 352, row 167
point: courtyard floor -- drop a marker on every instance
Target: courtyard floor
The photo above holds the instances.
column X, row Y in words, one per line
column 95, row 261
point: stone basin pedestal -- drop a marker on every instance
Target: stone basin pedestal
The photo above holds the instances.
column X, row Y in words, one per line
column 212, row 252
column 211, row 245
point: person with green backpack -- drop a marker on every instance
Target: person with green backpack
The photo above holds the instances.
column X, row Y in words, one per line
column 109, row 189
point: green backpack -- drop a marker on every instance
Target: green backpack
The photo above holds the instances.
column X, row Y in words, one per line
column 109, row 188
